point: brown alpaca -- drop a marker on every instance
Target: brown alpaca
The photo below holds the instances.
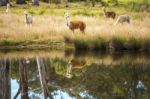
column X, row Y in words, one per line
column 109, row 14
column 76, row 24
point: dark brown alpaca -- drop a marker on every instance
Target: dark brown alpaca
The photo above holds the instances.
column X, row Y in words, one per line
column 109, row 14
column 76, row 24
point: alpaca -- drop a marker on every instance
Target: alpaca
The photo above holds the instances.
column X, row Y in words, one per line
column 75, row 24
column 7, row 8
column 122, row 19
column 109, row 14
column 28, row 18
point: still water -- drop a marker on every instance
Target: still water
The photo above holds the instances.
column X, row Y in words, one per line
column 74, row 75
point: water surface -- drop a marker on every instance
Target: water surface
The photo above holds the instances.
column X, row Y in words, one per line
column 69, row 75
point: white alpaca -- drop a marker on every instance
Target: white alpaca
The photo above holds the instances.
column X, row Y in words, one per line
column 67, row 19
column 122, row 19
column 28, row 18
column 7, row 8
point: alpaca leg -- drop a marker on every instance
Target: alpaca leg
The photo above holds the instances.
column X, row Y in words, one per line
column 82, row 31
column 128, row 21
column 26, row 25
column 116, row 23
column 72, row 30
column 30, row 25
column 113, row 17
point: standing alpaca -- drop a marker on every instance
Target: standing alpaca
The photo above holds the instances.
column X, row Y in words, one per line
column 109, row 14
column 7, row 8
column 76, row 24
column 28, row 18
column 122, row 19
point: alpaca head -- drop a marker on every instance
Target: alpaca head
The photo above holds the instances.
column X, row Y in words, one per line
column 8, row 5
column 25, row 13
column 104, row 9
column 66, row 15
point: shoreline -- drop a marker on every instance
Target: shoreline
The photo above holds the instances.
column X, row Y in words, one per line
column 72, row 47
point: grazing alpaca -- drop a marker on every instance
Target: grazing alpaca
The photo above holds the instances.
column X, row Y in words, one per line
column 109, row 14
column 28, row 18
column 122, row 19
column 7, row 8
column 76, row 24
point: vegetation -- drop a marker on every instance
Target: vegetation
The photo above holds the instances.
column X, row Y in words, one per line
column 74, row 72
column 49, row 27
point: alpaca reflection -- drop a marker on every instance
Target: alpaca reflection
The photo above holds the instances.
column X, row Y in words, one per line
column 75, row 64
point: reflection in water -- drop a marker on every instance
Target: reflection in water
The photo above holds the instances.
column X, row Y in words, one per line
column 5, row 79
column 84, row 76
column 74, row 64
column 43, row 75
column 23, row 81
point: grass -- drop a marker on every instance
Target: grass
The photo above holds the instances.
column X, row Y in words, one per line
column 49, row 28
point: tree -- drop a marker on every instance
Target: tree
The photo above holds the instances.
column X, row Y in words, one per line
column 43, row 75
column 3, row 2
column 20, row 2
column 35, row 2
column 93, row 3
column 112, row 2
column 47, row 1
column 66, row 3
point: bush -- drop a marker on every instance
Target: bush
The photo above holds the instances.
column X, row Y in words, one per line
column 112, row 2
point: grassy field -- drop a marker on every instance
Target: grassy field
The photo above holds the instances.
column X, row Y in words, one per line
column 49, row 28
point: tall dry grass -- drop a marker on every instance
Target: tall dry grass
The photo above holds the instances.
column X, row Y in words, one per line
column 53, row 28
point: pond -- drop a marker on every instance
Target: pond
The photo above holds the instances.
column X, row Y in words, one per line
column 74, row 75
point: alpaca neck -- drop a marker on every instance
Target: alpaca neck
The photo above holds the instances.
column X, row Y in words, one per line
column 26, row 17
column 67, row 21
column 7, row 9
column 7, row 6
column 104, row 10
